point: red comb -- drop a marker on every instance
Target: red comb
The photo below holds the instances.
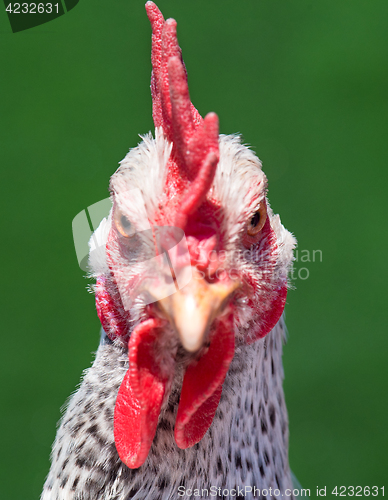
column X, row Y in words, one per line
column 195, row 140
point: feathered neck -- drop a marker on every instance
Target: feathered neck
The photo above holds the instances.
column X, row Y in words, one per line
column 247, row 443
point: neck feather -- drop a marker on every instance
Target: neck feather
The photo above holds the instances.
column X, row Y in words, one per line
column 246, row 445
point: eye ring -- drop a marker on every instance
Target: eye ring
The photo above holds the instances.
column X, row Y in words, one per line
column 257, row 221
column 123, row 224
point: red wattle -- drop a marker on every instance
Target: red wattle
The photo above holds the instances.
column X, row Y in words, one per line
column 202, row 387
column 271, row 316
column 140, row 397
column 111, row 312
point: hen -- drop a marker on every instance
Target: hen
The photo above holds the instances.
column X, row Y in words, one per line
column 185, row 395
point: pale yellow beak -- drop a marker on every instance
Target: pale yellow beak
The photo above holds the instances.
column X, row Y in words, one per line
column 192, row 309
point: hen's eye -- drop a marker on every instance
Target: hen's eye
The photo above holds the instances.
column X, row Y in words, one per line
column 123, row 224
column 257, row 221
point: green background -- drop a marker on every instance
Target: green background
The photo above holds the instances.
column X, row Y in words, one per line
column 305, row 82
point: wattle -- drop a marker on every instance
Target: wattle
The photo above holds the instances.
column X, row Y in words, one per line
column 145, row 386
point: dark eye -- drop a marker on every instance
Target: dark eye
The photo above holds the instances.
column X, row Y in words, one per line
column 123, row 224
column 257, row 221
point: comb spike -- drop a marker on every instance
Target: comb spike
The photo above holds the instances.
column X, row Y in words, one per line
column 182, row 119
column 195, row 151
column 170, row 49
column 164, row 46
column 198, row 189
column 157, row 22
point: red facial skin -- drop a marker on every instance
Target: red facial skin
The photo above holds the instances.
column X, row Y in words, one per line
column 191, row 170
column 145, row 386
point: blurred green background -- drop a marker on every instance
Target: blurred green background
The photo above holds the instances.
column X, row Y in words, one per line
column 305, row 82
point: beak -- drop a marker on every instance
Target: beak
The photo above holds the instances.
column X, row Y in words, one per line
column 192, row 309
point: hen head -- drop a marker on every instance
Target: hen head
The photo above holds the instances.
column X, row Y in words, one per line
column 194, row 262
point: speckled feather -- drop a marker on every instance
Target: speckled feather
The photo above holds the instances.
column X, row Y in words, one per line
column 247, row 443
